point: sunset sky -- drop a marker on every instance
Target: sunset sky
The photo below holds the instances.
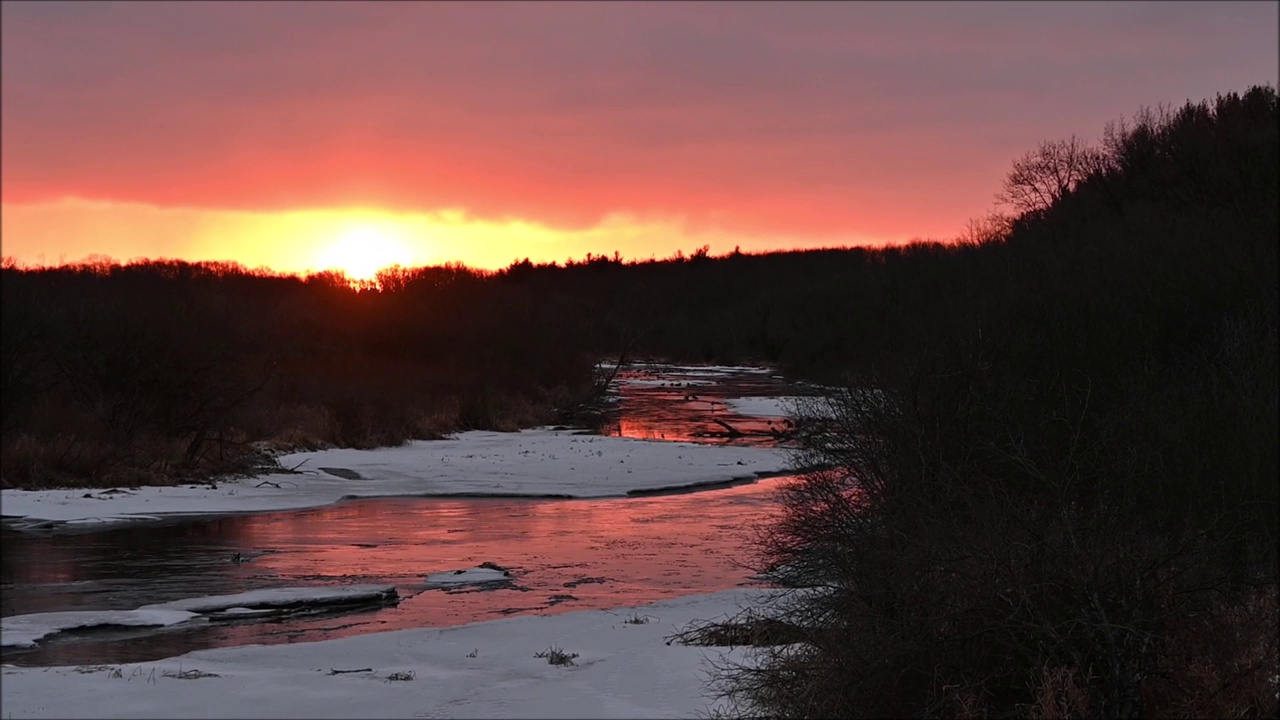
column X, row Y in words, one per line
column 312, row 135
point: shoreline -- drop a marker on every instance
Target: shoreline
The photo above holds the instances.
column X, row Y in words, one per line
column 534, row 464
column 622, row 665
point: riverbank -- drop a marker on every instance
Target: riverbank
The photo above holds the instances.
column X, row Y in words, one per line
column 619, row 665
column 530, row 463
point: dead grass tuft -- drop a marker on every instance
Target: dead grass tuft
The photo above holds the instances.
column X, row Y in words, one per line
column 294, row 427
column 746, row 630
column 192, row 674
column 1061, row 694
column 1222, row 663
column 555, row 655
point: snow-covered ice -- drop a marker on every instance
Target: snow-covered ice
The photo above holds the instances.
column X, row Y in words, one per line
column 665, row 382
column 25, row 630
column 622, row 670
column 282, row 597
column 471, row 576
column 244, row 612
column 531, row 462
column 702, row 369
column 761, row 406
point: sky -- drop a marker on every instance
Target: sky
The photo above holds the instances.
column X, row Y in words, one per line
column 304, row 136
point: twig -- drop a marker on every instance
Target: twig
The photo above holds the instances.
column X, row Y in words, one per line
column 340, row 672
column 733, row 431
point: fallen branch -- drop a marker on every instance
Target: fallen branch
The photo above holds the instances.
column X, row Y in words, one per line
column 294, row 470
column 733, row 431
column 341, row 672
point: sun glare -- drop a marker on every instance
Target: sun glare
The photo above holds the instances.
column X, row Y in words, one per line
column 362, row 249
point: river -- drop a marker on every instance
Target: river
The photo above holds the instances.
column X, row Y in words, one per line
column 563, row 554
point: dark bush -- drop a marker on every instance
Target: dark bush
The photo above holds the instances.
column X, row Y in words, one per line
column 1063, row 500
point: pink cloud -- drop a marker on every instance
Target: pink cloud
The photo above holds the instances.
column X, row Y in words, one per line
column 884, row 120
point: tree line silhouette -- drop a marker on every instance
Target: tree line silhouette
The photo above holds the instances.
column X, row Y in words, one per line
column 1056, row 493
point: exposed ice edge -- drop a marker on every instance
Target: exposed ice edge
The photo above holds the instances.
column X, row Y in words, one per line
column 485, row 669
column 483, row 575
column 282, row 598
column 666, row 382
column 19, row 522
column 695, row 486
column 26, row 630
column 686, row 369
column 540, row 463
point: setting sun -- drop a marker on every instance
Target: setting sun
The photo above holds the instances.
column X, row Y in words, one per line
column 362, row 249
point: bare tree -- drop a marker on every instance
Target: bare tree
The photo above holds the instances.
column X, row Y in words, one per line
column 1042, row 176
column 992, row 227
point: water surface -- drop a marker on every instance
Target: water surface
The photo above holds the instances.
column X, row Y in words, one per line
column 563, row 554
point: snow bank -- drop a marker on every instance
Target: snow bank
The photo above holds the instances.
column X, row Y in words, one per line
column 622, row 670
column 25, row 630
column 533, row 463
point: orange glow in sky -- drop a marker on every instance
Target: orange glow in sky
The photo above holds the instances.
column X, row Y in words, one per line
column 310, row 136
column 364, row 247
column 358, row 241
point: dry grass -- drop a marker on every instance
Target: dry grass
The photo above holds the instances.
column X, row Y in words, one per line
column 746, row 630
column 292, row 427
column 74, row 460
column 192, row 674
column 112, row 671
column 82, row 455
column 1061, row 694
column 28, row 461
column 555, row 655
column 437, row 423
column 1221, row 664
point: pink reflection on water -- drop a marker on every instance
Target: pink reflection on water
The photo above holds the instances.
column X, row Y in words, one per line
column 563, row 554
column 668, row 406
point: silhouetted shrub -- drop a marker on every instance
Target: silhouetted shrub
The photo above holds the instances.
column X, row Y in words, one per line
column 1061, row 500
